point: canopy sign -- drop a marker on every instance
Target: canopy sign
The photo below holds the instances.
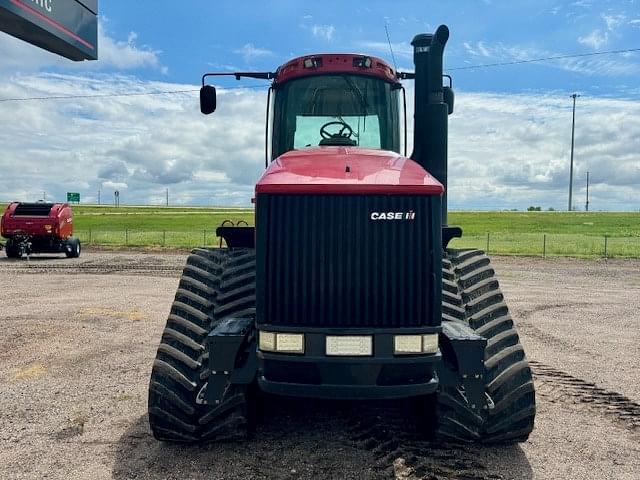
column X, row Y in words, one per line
column 66, row 27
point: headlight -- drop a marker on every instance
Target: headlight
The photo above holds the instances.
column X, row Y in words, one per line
column 430, row 343
column 290, row 342
column 415, row 344
column 349, row 345
column 281, row 342
column 406, row 344
column 267, row 341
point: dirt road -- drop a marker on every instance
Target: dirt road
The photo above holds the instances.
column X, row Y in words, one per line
column 79, row 337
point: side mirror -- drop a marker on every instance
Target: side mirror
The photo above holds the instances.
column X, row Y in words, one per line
column 448, row 98
column 208, row 99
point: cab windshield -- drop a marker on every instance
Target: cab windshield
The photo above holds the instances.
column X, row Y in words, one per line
column 347, row 110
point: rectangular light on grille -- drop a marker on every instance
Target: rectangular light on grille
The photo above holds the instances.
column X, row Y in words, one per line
column 350, row 345
column 430, row 343
column 290, row 342
column 281, row 342
column 407, row 344
column 267, row 341
column 415, row 344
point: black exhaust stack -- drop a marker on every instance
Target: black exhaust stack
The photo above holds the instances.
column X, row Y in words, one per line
column 433, row 103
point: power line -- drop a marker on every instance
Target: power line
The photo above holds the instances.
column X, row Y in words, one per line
column 544, row 59
column 174, row 92
column 114, row 95
column 97, row 95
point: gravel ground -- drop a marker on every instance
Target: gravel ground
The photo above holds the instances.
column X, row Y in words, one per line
column 80, row 336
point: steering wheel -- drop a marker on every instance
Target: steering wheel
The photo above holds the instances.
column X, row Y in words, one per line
column 341, row 134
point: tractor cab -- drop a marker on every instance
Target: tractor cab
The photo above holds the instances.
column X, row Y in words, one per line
column 323, row 100
column 335, row 100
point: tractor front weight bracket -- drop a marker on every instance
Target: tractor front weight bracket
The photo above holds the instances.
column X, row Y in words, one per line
column 232, row 358
column 465, row 350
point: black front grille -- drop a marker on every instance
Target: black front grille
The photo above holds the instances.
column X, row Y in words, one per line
column 323, row 262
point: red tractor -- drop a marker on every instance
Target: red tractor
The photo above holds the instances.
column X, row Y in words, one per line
column 39, row 228
column 346, row 287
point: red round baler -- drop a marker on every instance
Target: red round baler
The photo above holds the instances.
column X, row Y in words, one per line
column 39, row 228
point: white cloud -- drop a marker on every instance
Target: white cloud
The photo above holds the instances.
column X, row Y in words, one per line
column 609, row 65
column 595, row 39
column 400, row 49
column 139, row 145
column 506, row 151
column 613, row 21
column 479, row 49
column 323, row 31
column 249, row 52
column 19, row 56
column 116, row 186
column 635, row 23
column 126, row 55
column 513, row 150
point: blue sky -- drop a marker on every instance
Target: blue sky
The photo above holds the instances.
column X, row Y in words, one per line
column 194, row 36
column 510, row 135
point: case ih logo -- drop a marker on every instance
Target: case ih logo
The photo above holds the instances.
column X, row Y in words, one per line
column 411, row 215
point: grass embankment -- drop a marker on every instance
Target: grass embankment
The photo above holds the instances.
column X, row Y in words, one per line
column 554, row 233
column 154, row 226
column 517, row 233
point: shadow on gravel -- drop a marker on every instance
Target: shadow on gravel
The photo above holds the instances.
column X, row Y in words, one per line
column 33, row 258
column 303, row 439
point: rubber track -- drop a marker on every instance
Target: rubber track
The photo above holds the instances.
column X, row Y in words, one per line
column 215, row 284
column 508, row 377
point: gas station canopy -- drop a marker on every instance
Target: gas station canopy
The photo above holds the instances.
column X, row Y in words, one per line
column 66, row 27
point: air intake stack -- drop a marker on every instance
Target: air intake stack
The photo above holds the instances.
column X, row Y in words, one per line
column 433, row 103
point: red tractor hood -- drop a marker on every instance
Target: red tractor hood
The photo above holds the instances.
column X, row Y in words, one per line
column 346, row 170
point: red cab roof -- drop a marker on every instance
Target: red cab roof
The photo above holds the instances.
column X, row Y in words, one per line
column 327, row 63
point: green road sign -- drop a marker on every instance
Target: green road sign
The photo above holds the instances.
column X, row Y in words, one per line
column 73, row 197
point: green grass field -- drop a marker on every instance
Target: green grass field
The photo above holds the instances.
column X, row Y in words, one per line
column 514, row 233
column 577, row 234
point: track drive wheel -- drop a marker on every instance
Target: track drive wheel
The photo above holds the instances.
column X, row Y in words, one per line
column 471, row 294
column 215, row 284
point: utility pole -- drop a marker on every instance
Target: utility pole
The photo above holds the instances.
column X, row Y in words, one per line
column 44, row 196
column 573, row 130
column 98, row 196
column 586, row 206
column 167, row 197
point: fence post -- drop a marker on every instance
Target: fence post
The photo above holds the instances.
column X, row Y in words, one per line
column 544, row 245
column 605, row 246
column 204, row 238
column 487, row 252
column 164, row 238
column 126, row 236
